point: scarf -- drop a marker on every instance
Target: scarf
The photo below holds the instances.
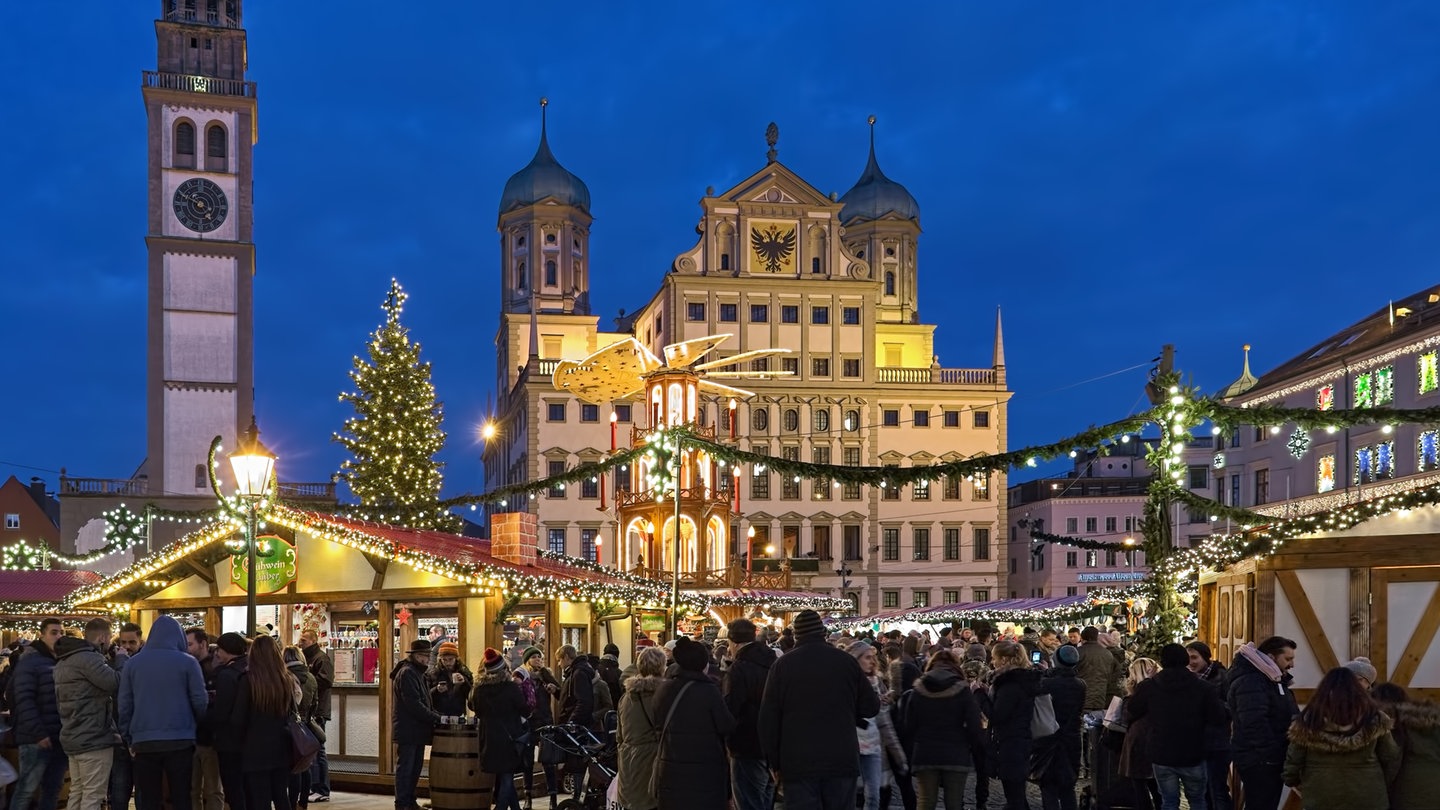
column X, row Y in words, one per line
column 1261, row 661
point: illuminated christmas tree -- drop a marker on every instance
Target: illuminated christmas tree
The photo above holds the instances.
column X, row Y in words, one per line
column 396, row 431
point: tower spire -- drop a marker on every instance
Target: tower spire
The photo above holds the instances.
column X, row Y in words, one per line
column 1244, row 383
column 999, row 357
column 772, row 137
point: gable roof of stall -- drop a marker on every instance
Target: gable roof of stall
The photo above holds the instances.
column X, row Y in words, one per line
column 465, row 560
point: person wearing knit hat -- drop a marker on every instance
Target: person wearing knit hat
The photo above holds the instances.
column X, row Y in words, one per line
column 1364, row 670
column 609, row 671
column 546, row 687
column 499, row 704
column 450, row 681
column 1068, row 655
column 692, row 770
column 814, row 698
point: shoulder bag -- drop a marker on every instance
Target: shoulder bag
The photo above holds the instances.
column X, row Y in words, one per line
column 1042, row 719
column 660, row 754
column 303, row 745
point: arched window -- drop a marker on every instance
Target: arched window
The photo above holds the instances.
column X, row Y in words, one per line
column 724, row 261
column 552, row 275
column 184, row 145
column 889, row 282
column 519, row 243
column 760, row 419
column 201, row 481
column 520, row 276
column 215, row 149
column 792, row 420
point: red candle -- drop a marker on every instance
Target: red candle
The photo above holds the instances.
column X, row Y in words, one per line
column 613, row 419
column 736, row 487
column 732, row 418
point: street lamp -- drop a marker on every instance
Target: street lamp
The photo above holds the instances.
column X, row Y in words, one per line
column 1130, row 559
column 253, row 465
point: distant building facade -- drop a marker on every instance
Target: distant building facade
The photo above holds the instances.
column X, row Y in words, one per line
column 778, row 264
column 30, row 513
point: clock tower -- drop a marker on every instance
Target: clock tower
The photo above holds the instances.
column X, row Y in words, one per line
column 200, row 343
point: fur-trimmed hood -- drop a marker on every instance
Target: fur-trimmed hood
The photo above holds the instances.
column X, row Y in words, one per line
column 1410, row 715
column 642, row 685
column 1336, row 740
column 939, row 683
column 491, row 678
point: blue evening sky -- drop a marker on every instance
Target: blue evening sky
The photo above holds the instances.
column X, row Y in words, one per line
column 1114, row 175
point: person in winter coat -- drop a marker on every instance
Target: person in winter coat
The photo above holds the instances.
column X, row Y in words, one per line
column 264, row 699
column 577, row 688
column 814, row 698
column 1135, row 763
column 413, row 723
column 546, row 687
column 37, row 722
column 875, row 735
column 1417, row 732
column 1180, row 710
column 1217, row 738
column 162, row 698
column 691, row 771
column 638, row 738
column 1261, row 709
column 1099, row 670
column 1013, row 694
column 1060, row 752
column 609, row 672
column 744, row 689
column 940, row 724
column 450, row 681
column 305, row 710
column 85, row 690
column 231, row 661
column 977, row 675
column 1341, row 752
column 324, row 671
column 499, row 704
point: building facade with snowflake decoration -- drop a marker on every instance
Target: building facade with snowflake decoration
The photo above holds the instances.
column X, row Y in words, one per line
column 1348, row 567
column 832, row 281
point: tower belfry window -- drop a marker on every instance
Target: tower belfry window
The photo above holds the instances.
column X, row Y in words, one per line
column 215, row 149
column 724, row 261
column 552, row 275
column 889, row 282
column 184, row 145
column 520, row 276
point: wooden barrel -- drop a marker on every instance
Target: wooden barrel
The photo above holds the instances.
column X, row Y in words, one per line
column 456, row 781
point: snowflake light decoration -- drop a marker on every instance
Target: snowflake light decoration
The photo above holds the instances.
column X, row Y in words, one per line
column 1299, row 442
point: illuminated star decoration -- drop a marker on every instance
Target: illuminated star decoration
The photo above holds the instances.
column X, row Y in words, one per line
column 1299, row 442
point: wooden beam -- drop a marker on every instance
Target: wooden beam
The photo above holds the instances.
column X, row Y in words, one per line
column 1380, row 611
column 207, row 574
column 1308, row 621
column 400, row 595
column 1359, row 612
column 1262, row 606
column 1419, row 641
column 380, row 564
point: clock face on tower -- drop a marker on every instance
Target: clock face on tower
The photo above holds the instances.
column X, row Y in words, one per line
column 200, row 205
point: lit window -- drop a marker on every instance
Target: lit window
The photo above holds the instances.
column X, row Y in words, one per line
column 1385, row 385
column 920, row 492
column 1375, row 462
column 12, row 520
column 1429, row 372
column 980, row 487
column 1325, row 473
column 1428, row 450
column 1325, row 398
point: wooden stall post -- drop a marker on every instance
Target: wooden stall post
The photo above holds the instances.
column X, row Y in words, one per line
column 386, row 644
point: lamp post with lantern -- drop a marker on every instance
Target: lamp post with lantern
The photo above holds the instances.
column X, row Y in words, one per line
column 254, row 466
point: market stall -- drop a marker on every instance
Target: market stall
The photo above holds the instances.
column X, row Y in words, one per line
column 1002, row 614
column 368, row 590
column 27, row 596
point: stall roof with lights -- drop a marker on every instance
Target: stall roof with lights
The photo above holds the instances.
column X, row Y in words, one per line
column 28, row 596
column 782, row 601
column 1015, row 611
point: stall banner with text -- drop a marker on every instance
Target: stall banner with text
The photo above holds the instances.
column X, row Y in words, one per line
column 274, row 565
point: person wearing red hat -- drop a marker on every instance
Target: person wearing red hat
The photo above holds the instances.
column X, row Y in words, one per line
column 500, row 706
column 450, row 680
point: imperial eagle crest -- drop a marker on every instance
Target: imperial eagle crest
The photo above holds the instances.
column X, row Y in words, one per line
column 772, row 246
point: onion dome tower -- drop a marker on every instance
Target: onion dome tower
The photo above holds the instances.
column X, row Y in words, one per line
column 882, row 227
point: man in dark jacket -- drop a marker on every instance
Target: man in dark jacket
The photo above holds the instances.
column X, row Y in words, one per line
column 577, row 688
column 413, row 724
column 206, row 791
column 1181, row 708
column 693, row 722
column 814, row 700
column 324, row 671
column 609, row 672
column 162, row 700
column 85, row 689
column 227, row 735
column 1067, row 696
column 744, row 690
column 37, row 722
column 1262, row 706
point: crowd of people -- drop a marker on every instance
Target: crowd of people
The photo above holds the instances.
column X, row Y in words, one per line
column 812, row 718
column 171, row 718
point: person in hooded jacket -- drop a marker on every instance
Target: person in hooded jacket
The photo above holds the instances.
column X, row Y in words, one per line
column 499, row 704
column 85, row 690
column 305, row 710
column 691, row 771
column 37, row 722
column 1342, row 755
column 1060, row 752
column 1013, row 693
column 941, row 725
column 1261, row 709
column 1180, row 708
column 638, row 737
column 227, row 736
column 744, row 689
column 162, row 699
column 1417, row 732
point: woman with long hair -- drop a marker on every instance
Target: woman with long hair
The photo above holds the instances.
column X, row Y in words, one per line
column 1013, row 692
column 265, row 697
column 1135, row 762
column 500, row 706
column 638, row 737
column 1341, row 752
column 878, row 741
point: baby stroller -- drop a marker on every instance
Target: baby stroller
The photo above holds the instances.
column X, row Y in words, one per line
column 590, row 766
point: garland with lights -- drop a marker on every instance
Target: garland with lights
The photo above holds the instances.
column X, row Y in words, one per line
column 1078, row 542
column 783, row 603
column 396, row 433
column 1228, row 417
column 21, row 556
